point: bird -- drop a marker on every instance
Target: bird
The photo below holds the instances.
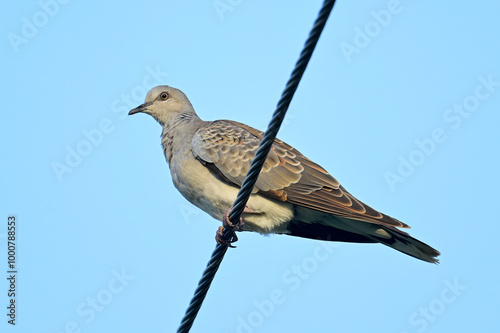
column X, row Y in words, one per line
column 208, row 161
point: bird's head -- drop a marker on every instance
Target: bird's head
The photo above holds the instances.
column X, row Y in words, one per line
column 164, row 103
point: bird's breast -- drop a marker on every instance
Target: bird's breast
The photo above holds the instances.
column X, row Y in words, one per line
column 208, row 192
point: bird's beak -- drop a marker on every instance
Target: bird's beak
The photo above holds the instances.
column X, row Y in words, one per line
column 140, row 108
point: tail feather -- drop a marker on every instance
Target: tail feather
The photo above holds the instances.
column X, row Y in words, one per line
column 336, row 228
column 403, row 242
column 395, row 238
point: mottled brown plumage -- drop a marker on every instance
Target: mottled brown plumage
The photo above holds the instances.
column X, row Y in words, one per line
column 287, row 175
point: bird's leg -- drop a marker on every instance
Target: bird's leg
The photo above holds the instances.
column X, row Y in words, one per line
column 226, row 223
column 236, row 226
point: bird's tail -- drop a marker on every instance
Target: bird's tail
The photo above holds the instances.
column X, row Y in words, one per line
column 397, row 239
column 401, row 241
column 347, row 230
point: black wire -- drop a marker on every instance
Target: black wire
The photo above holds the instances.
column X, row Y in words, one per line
column 256, row 166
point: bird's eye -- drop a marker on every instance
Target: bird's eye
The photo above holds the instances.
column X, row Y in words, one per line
column 164, row 96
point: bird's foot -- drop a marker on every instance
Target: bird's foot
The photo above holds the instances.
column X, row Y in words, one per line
column 220, row 239
column 226, row 223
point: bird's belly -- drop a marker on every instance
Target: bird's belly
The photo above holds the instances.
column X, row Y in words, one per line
column 214, row 196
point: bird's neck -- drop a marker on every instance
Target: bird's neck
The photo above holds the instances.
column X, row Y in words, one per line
column 178, row 133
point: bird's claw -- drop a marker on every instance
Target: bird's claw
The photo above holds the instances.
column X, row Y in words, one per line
column 226, row 223
column 220, row 239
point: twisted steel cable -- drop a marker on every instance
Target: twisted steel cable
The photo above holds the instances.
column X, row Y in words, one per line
column 256, row 166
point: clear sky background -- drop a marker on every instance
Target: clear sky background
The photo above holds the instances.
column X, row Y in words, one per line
column 400, row 103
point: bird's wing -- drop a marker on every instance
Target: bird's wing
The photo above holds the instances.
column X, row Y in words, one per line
column 228, row 147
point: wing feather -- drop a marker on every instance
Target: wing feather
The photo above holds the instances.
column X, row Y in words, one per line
column 287, row 175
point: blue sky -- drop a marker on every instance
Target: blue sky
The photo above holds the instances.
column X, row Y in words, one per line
column 399, row 103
